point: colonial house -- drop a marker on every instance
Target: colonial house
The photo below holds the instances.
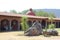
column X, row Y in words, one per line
column 12, row 21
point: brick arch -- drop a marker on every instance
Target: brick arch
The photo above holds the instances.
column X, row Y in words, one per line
column 4, row 25
column 29, row 23
column 43, row 23
column 14, row 24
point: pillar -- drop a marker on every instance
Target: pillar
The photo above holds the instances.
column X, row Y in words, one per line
column 0, row 25
column 58, row 24
column 40, row 21
column 10, row 28
column 46, row 24
column 55, row 24
column 32, row 21
column 18, row 25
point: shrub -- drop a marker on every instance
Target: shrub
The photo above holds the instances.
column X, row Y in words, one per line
column 51, row 26
column 24, row 23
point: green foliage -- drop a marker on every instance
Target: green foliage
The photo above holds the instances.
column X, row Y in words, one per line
column 51, row 19
column 46, row 28
column 51, row 26
column 19, row 13
column 45, row 14
column 24, row 23
column 42, row 13
column 52, row 15
column 37, row 12
column 13, row 11
column 24, row 12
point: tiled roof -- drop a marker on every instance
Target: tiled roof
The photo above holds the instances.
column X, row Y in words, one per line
column 20, row 15
column 58, row 19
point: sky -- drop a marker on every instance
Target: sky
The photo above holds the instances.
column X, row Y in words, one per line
column 20, row 5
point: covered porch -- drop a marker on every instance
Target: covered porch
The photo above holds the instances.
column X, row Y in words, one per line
column 9, row 23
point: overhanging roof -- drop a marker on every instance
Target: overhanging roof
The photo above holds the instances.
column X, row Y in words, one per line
column 20, row 15
column 29, row 16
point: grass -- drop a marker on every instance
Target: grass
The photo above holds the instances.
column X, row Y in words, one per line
column 19, row 35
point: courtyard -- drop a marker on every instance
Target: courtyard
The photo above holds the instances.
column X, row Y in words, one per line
column 19, row 35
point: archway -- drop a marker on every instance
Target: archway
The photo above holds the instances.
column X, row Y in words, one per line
column 30, row 23
column 43, row 23
column 4, row 25
column 14, row 25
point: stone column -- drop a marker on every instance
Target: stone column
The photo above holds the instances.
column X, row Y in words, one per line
column 40, row 21
column 10, row 28
column 0, row 25
column 46, row 24
column 55, row 24
column 32, row 21
column 58, row 24
column 18, row 25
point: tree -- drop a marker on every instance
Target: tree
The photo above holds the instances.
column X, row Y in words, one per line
column 45, row 14
column 51, row 14
column 19, row 13
column 24, row 12
column 52, row 26
column 13, row 11
column 51, row 19
column 42, row 13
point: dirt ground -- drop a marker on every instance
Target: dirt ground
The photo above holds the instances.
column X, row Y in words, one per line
column 18, row 35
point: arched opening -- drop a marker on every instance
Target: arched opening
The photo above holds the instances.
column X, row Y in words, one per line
column 34, row 21
column 20, row 26
column 59, row 24
column 43, row 23
column 30, row 23
column 4, row 25
column 14, row 25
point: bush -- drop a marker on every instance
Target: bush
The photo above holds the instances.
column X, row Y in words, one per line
column 24, row 23
column 51, row 31
column 51, row 26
